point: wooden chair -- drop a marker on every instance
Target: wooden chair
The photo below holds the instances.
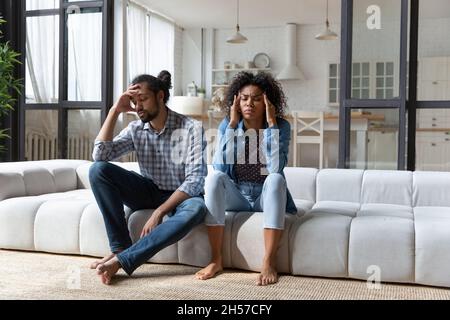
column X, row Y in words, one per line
column 308, row 129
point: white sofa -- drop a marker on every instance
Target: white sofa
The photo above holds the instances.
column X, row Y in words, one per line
column 348, row 222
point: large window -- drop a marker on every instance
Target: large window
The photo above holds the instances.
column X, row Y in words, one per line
column 67, row 77
column 409, row 38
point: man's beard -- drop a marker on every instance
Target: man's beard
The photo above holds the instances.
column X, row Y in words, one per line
column 147, row 117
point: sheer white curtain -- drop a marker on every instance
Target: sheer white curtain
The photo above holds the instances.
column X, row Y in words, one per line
column 151, row 42
column 42, row 69
column 84, row 70
column 137, row 34
column 84, row 56
column 162, row 43
column 42, row 4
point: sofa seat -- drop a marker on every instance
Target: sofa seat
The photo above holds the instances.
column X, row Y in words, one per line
column 383, row 243
column 385, row 209
column 318, row 245
column 432, row 225
column 336, row 207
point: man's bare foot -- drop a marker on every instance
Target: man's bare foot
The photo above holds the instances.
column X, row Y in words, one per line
column 267, row 276
column 107, row 270
column 209, row 271
column 95, row 264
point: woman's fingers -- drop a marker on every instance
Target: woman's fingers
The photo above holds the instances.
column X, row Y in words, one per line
column 266, row 100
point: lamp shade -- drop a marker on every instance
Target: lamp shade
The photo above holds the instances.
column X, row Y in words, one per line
column 327, row 34
column 187, row 105
column 237, row 38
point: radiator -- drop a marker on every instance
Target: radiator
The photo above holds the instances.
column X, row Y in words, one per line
column 41, row 147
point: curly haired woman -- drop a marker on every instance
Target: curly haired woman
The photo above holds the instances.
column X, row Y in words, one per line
column 248, row 175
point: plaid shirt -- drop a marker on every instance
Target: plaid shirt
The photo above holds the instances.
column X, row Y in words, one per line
column 172, row 158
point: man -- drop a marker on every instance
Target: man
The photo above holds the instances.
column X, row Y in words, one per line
column 168, row 185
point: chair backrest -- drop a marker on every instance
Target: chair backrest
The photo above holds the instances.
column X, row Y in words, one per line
column 308, row 124
column 308, row 128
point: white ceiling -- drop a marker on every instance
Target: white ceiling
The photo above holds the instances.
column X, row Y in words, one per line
column 253, row 13
column 266, row 13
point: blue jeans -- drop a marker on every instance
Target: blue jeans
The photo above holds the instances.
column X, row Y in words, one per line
column 114, row 187
column 223, row 194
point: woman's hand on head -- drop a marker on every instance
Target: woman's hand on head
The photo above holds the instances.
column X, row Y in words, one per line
column 270, row 112
column 235, row 115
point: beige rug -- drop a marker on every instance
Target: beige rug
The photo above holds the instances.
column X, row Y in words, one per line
column 28, row 275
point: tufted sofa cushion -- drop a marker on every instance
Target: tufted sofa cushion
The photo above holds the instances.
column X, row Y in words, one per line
column 38, row 177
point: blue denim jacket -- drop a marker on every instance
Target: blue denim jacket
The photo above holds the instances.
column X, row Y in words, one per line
column 276, row 150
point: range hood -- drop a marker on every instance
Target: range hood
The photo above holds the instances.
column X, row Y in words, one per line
column 291, row 71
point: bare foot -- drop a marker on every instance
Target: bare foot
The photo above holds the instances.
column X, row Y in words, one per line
column 107, row 270
column 267, row 276
column 209, row 271
column 95, row 264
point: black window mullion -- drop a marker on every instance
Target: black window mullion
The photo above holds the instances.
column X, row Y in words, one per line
column 83, row 4
column 22, row 31
column 372, row 103
column 41, row 13
column 41, row 106
column 82, row 104
column 402, row 86
column 108, row 58
column 412, row 84
column 345, row 82
column 62, row 114
column 12, row 12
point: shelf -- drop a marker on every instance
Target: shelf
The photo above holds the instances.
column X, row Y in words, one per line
column 241, row 69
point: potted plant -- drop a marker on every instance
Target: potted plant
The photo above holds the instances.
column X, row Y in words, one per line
column 201, row 92
column 8, row 60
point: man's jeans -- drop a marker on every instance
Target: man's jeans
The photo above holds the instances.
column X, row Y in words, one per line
column 114, row 187
column 223, row 194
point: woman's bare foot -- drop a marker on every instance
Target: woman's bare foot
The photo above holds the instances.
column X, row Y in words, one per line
column 267, row 276
column 95, row 264
column 107, row 270
column 209, row 271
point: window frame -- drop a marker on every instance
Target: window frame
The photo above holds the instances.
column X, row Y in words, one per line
column 64, row 105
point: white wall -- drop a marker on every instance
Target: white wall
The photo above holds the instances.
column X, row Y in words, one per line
column 178, row 62
column 192, row 58
column 313, row 57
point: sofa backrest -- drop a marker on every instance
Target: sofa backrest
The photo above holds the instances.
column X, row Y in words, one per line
column 339, row 185
column 19, row 179
column 431, row 189
column 301, row 182
column 387, row 186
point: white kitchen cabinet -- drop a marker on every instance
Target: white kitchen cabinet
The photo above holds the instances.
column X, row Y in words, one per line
column 433, row 151
column 433, row 118
column 434, row 68
column 434, row 78
column 382, row 149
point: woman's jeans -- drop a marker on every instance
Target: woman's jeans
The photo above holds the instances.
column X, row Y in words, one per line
column 223, row 194
column 114, row 187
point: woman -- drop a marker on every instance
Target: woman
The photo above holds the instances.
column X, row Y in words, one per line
column 248, row 175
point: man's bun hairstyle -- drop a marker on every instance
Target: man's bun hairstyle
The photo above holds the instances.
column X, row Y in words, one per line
column 162, row 83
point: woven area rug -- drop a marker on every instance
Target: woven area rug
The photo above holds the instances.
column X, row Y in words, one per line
column 29, row 275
